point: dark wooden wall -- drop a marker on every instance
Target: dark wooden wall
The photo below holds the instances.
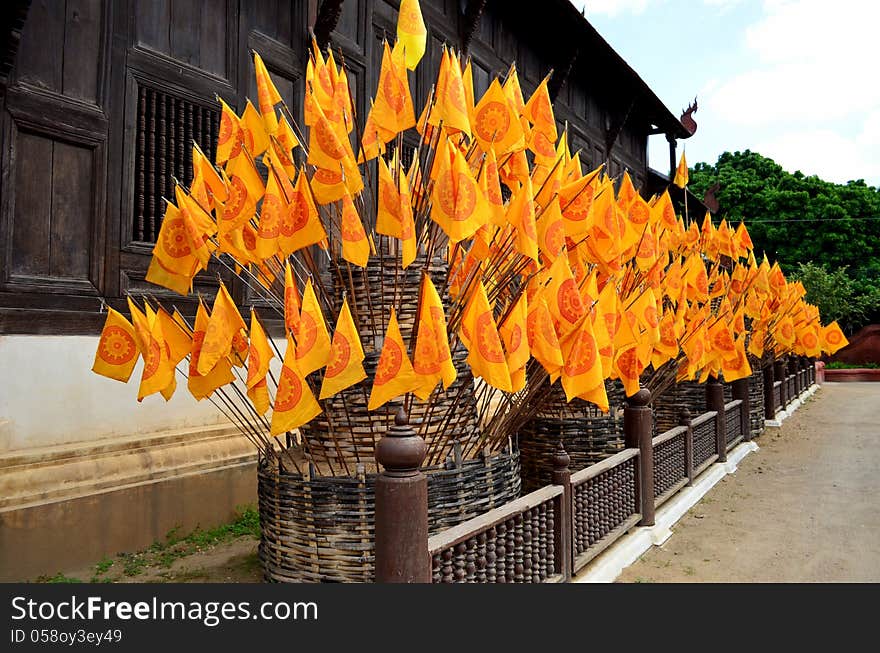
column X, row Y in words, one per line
column 105, row 97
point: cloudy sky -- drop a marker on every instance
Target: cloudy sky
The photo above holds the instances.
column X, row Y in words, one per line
column 796, row 80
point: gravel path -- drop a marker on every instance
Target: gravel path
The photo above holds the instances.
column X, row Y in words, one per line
column 805, row 508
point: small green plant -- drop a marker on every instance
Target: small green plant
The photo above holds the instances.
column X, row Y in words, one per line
column 103, row 566
column 58, row 578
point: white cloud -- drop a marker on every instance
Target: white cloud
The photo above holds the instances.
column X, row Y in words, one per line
column 811, row 82
column 822, row 152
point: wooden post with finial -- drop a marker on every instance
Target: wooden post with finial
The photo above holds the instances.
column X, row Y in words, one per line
column 401, row 507
column 715, row 401
column 740, row 389
column 562, row 526
column 637, row 423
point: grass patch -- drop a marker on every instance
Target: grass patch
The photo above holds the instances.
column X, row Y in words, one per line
column 58, row 578
column 840, row 365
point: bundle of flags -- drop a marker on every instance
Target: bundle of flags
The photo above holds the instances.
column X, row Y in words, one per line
column 576, row 278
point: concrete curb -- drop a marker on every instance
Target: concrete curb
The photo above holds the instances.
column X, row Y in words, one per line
column 609, row 564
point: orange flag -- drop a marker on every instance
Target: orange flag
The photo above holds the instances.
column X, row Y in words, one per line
column 225, row 322
column 327, row 147
column 432, row 360
column 681, row 172
column 563, row 297
column 411, row 32
column 158, row 373
column 291, row 301
column 514, row 335
column 273, row 208
column 394, row 372
column 174, row 261
column 301, row 224
column 267, row 95
column 259, row 355
column 355, row 246
column 459, row 206
column 521, row 215
column 485, row 353
column 229, row 136
column 496, row 124
column 582, row 371
column 117, row 351
column 392, row 109
column 346, row 356
column 253, row 131
column 543, row 342
column 201, row 386
column 736, row 366
column 312, row 339
column 295, row 404
column 832, row 338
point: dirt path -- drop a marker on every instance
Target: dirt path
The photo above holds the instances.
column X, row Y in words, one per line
column 805, row 508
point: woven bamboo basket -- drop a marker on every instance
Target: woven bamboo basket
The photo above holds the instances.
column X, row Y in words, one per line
column 588, row 434
column 668, row 405
column 321, row 529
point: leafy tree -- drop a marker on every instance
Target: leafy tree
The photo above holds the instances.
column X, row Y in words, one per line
column 803, row 219
column 837, row 295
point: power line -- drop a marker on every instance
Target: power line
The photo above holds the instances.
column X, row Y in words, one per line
column 828, row 220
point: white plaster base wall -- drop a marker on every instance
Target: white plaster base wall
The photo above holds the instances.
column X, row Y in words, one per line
column 50, row 396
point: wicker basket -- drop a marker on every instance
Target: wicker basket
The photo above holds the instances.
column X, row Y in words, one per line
column 588, row 434
column 668, row 405
column 321, row 529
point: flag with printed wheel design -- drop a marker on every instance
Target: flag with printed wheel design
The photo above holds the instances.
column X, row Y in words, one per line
column 259, row 355
column 485, row 353
column 346, row 356
column 117, row 351
column 199, row 385
column 225, row 322
column 432, row 360
column 394, row 372
column 312, row 339
column 295, row 404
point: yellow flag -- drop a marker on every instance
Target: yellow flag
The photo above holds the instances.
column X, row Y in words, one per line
column 355, row 246
column 201, row 386
column 563, row 297
column 514, row 334
column 432, row 360
column 312, row 339
column 411, row 32
column 117, row 351
column 543, row 342
column 392, row 108
column 295, row 404
column 253, row 131
column 259, row 355
column 225, row 322
column 394, row 372
column 459, row 206
column 737, row 365
column 273, row 208
column 346, row 356
column 158, row 373
column 178, row 340
column 832, row 338
column 292, row 301
column 229, row 135
column 267, row 95
column 521, row 215
column 496, row 124
column 301, row 224
column 582, row 370
column 681, row 172
column 485, row 353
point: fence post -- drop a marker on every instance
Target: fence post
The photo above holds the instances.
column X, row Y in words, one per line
column 740, row 389
column 769, row 401
column 562, row 526
column 637, row 427
column 401, row 507
column 792, row 371
column 684, row 419
column 779, row 375
column 715, row 401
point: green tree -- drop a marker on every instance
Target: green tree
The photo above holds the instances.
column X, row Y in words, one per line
column 837, row 295
column 802, row 219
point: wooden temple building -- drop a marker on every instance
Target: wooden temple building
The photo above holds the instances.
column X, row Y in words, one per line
column 99, row 102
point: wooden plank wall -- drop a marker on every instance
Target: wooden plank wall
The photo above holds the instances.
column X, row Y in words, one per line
column 105, row 96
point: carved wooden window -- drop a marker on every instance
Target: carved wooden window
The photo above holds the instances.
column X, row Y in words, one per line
column 166, row 127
